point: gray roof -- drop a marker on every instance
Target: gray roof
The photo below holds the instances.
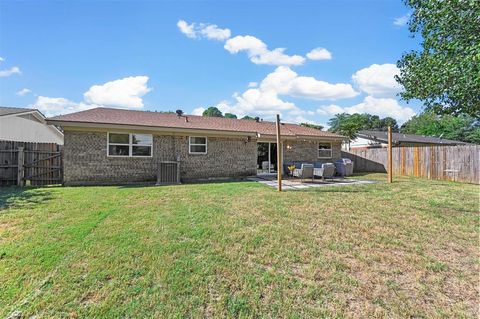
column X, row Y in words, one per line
column 13, row 110
column 399, row 138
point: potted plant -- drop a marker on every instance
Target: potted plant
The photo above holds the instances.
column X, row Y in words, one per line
column 291, row 168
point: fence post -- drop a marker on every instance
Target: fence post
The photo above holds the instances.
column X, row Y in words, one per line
column 20, row 166
column 279, row 156
column 390, row 159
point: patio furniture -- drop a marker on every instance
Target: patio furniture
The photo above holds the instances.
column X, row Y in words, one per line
column 306, row 171
column 326, row 171
column 344, row 167
column 265, row 165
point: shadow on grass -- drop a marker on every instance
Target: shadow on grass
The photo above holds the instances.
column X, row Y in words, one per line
column 23, row 197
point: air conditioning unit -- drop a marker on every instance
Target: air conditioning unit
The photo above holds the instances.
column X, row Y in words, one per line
column 168, row 173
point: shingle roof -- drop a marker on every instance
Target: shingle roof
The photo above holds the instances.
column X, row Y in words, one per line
column 168, row 120
column 407, row 138
column 13, row 110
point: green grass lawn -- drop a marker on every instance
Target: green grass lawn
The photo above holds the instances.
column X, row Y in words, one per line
column 408, row 249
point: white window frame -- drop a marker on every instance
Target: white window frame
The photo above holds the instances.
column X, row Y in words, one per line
column 190, row 144
column 323, row 149
column 130, row 145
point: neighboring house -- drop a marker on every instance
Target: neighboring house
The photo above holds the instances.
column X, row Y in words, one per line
column 27, row 125
column 110, row 146
column 378, row 139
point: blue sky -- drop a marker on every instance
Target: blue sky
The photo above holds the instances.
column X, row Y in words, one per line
column 64, row 56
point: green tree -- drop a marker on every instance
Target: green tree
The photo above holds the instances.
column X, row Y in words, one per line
column 350, row 124
column 347, row 124
column 462, row 128
column 386, row 122
column 315, row 126
column 248, row 117
column 230, row 116
column 445, row 73
column 212, row 111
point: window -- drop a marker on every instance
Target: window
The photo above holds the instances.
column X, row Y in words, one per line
column 132, row 145
column 324, row 150
column 197, row 145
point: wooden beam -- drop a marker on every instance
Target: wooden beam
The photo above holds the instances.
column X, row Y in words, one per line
column 390, row 159
column 279, row 156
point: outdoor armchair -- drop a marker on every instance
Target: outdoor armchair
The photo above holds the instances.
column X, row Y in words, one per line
column 326, row 171
column 306, row 171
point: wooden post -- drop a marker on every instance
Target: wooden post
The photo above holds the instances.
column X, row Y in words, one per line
column 390, row 159
column 279, row 156
column 20, row 166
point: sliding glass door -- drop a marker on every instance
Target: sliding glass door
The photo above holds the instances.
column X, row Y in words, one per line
column 266, row 157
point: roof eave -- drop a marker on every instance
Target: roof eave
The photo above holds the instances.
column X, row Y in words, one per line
column 163, row 129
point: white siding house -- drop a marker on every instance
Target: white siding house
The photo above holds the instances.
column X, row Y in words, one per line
column 27, row 125
column 378, row 139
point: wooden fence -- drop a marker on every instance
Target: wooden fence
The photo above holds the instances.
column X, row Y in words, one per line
column 35, row 164
column 455, row 163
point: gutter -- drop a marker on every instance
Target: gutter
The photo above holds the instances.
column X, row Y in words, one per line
column 69, row 125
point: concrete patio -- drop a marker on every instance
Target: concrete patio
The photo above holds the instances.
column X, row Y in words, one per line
column 297, row 184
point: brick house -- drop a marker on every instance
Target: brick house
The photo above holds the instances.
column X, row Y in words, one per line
column 113, row 146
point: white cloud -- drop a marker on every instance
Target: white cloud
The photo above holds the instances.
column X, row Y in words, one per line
column 213, row 32
column 285, row 81
column 252, row 84
column 209, row 31
column 376, row 106
column 319, row 54
column 331, row 109
column 2, row 59
column 187, row 29
column 51, row 106
column 378, row 80
column 257, row 102
column 402, row 21
column 123, row 93
column 265, row 99
column 23, row 92
column 258, row 52
column 11, row 71
column 198, row 111
column 256, row 49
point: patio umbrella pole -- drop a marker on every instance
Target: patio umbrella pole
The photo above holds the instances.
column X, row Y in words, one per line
column 279, row 156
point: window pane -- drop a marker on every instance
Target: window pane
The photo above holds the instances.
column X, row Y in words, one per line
column 198, row 149
column 118, row 150
column 324, row 146
column 325, row 153
column 118, row 138
column 141, row 150
column 198, row 140
column 142, row 139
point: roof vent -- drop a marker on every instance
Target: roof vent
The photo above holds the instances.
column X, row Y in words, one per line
column 186, row 119
column 179, row 112
column 257, row 119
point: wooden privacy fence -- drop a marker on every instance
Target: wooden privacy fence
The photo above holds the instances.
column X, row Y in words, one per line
column 455, row 163
column 36, row 164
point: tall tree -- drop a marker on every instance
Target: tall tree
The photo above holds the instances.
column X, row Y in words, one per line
column 230, row 116
column 315, row 126
column 462, row 128
column 347, row 125
column 212, row 111
column 445, row 74
column 350, row 124
column 386, row 122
